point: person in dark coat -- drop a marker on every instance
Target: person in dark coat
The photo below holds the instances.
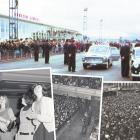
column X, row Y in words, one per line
column 43, row 49
column 35, row 46
column 65, row 48
column 71, row 56
column 86, row 121
column 47, row 49
column 125, row 54
column 87, row 45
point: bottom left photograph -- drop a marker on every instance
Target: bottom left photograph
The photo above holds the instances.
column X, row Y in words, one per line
column 26, row 105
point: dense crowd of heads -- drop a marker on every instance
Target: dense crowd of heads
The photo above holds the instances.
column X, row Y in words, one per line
column 115, row 44
column 65, row 108
column 83, row 82
column 26, row 44
column 121, row 116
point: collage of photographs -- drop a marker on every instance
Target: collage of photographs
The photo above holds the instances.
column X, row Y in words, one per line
column 69, row 70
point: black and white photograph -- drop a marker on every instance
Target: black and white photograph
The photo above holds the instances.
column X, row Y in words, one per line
column 77, row 102
column 120, row 118
column 26, row 105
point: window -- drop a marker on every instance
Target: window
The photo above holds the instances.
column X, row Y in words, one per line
column 2, row 26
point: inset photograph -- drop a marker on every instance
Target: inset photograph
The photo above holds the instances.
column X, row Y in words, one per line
column 77, row 106
column 26, row 105
column 120, row 111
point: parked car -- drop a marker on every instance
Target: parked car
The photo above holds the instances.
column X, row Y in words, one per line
column 98, row 55
column 115, row 53
column 135, row 63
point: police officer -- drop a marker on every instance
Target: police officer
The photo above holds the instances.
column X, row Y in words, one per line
column 125, row 54
column 71, row 56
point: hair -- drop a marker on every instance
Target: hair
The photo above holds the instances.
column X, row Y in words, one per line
column 6, row 101
column 28, row 96
column 30, row 91
column 45, row 91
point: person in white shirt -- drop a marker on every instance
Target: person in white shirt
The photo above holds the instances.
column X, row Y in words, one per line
column 42, row 115
column 26, row 127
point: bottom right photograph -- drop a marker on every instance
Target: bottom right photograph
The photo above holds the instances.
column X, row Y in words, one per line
column 120, row 118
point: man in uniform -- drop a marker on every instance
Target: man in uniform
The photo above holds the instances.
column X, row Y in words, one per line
column 47, row 49
column 35, row 46
column 125, row 54
column 71, row 56
column 65, row 48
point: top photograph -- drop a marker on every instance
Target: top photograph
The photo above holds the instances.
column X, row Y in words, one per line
column 83, row 37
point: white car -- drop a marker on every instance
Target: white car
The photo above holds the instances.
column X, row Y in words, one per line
column 135, row 63
column 98, row 55
column 115, row 53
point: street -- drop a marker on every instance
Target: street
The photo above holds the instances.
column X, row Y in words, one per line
column 57, row 63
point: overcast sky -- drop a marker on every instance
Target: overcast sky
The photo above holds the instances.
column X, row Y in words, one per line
column 120, row 17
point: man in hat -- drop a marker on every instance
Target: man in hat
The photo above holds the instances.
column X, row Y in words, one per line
column 65, row 48
column 47, row 48
column 71, row 56
column 125, row 54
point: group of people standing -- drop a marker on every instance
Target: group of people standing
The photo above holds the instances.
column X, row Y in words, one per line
column 42, row 48
column 36, row 119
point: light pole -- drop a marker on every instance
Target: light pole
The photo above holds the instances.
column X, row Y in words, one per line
column 13, row 19
column 100, row 30
column 85, row 23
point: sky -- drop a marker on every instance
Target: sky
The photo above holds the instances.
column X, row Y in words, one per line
column 120, row 17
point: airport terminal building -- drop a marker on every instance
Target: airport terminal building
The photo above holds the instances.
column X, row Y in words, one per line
column 31, row 27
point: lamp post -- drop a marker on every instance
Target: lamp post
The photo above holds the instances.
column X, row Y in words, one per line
column 100, row 30
column 13, row 19
column 85, row 23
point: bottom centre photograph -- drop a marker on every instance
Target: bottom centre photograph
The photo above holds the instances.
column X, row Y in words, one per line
column 77, row 101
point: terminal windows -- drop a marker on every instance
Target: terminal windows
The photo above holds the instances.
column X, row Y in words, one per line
column 2, row 26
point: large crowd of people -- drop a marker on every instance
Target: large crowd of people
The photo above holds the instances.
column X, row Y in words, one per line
column 28, row 48
column 121, row 116
column 83, row 82
column 10, row 49
column 65, row 108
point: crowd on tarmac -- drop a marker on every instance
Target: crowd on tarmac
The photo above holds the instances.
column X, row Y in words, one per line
column 83, row 82
column 65, row 108
column 121, row 116
column 43, row 48
column 33, row 48
column 29, row 45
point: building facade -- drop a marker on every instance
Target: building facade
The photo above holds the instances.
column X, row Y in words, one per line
column 36, row 30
